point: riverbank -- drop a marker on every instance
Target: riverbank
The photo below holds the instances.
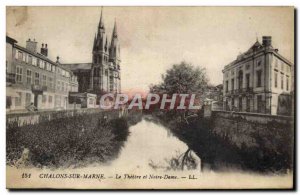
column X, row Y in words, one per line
column 268, row 154
column 68, row 142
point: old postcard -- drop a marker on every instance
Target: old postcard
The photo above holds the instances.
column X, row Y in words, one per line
column 150, row 97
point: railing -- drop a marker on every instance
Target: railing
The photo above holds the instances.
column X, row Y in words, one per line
column 239, row 91
column 10, row 77
column 38, row 88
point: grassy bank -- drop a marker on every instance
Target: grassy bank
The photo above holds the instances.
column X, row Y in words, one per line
column 73, row 141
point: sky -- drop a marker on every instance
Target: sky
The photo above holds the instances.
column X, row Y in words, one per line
column 152, row 39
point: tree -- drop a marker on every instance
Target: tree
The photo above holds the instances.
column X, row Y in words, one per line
column 182, row 78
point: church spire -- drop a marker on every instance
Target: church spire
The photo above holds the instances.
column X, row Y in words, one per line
column 115, row 34
column 101, row 24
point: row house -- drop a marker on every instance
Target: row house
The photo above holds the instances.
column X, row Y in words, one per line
column 32, row 78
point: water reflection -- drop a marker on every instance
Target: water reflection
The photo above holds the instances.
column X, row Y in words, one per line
column 151, row 146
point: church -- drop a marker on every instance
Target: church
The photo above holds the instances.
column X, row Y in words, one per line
column 102, row 75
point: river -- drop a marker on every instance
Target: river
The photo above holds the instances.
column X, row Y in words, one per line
column 152, row 146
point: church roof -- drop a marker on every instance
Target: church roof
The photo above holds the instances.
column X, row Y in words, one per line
column 78, row 66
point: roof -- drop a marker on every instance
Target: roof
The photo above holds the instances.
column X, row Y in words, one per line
column 257, row 47
column 41, row 56
column 10, row 40
column 78, row 66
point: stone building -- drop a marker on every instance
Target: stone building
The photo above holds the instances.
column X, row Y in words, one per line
column 259, row 80
column 102, row 75
column 31, row 77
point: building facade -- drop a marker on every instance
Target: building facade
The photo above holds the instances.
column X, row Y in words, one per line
column 31, row 77
column 102, row 75
column 259, row 80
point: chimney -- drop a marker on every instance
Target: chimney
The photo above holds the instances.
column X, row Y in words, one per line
column 44, row 50
column 31, row 45
column 267, row 41
column 57, row 60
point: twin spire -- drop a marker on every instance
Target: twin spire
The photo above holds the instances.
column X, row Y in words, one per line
column 99, row 38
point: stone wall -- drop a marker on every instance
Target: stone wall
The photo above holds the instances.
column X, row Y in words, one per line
column 244, row 128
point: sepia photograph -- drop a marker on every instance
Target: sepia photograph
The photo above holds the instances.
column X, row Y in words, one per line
column 150, row 97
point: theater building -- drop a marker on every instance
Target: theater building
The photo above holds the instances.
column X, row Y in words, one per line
column 259, row 80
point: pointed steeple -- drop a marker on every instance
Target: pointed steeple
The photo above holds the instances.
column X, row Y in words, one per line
column 115, row 34
column 101, row 24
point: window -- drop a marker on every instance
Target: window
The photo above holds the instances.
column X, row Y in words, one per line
column 62, row 86
column 275, row 79
column 281, row 78
column 29, row 59
column 43, row 65
column 50, row 99
column 20, row 55
column 247, row 66
column 226, row 86
column 58, row 85
column 287, row 83
column 25, row 59
column 44, row 80
column 232, row 84
column 57, row 100
column 259, row 104
column 232, row 72
column 36, row 78
column 29, row 76
column 111, row 84
column 58, row 70
column 18, row 99
column 240, row 79
column 19, row 73
column 50, row 79
column 106, row 72
column 49, row 67
column 44, row 99
column 247, row 81
column 258, row 74
column 34, row 61
column 28, row 99
column 258, row 63
column 53, row 68
column 276, row 63
column 38, row 61
column 282, row 66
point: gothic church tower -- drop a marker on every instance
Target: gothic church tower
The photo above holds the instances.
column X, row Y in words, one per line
column 105, row 70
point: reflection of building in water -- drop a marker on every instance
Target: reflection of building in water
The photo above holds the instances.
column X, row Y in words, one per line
column 259, row 80
column 31, row 77
column 103, row 73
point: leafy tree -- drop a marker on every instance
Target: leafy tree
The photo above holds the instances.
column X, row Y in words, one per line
column 182, row 78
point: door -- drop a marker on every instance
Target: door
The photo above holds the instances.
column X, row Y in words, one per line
column 36, row 100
